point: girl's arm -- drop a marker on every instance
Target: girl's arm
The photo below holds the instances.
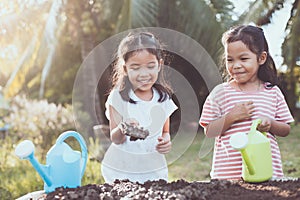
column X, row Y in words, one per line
column 280, row 128
column 275, row 127
column 116, row 134
column 164, row 142
column 239, row 112
column 219, row 126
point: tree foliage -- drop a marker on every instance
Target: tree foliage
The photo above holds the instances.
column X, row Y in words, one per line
column 291, row 53
column 81, row 25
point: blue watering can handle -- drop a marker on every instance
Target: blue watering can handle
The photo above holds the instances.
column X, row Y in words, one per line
column 82, row 143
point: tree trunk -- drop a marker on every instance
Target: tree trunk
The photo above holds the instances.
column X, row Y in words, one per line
column 90, row 80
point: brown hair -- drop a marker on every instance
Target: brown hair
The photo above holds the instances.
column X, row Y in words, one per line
column 129, row 46
column 253, row 37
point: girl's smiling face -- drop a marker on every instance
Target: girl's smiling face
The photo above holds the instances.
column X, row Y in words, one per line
column 142, row 69
column 241, row 63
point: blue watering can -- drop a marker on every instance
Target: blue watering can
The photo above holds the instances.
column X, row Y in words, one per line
column 65, row 167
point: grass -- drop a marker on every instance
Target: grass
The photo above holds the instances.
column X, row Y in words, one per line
column 190, row 166
column 290, row 152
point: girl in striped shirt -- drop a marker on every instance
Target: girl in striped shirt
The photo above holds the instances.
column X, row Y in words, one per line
column 250, row 93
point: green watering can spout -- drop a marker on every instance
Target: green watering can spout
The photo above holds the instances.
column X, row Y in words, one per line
column 248, row 162
column 240, row 141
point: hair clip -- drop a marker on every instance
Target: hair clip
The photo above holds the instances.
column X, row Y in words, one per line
column 147, row 34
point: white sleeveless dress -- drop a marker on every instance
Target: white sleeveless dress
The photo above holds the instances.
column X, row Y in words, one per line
column 138, row 160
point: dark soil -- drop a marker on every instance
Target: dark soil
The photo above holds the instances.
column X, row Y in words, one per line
column 179, row 190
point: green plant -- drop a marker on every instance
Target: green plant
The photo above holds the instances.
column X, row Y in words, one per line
column 38, row 120
column 92, row 173
column 96, row 151
column 16, row 176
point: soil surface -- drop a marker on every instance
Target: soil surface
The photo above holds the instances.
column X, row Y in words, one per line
column 183, row 190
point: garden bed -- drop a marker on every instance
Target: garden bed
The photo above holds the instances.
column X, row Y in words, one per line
column 181, row 190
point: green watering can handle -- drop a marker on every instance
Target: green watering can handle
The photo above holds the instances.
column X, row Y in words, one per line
column 254, row 125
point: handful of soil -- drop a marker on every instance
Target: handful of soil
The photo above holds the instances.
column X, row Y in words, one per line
column 134, row 132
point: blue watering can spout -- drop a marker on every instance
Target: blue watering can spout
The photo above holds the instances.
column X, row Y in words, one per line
column 25, row 150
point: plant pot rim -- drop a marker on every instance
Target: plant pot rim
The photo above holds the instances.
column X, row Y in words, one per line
column 33, row 195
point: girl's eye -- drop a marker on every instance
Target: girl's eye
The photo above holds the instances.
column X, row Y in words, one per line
column 135, row 68
column 229, row 60
column 151, row 66
column 244, row 58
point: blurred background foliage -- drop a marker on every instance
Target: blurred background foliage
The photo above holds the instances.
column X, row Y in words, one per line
column 43, row 44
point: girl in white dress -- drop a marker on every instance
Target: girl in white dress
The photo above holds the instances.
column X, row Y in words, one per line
column 140, row 97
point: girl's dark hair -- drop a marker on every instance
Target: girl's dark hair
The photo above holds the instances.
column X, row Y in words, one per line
column 129, row 46
column 253, row 37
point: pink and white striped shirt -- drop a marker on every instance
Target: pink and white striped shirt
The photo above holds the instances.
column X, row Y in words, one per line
column 268, row 102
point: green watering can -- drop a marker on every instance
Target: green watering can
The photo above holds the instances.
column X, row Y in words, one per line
column 255, row 149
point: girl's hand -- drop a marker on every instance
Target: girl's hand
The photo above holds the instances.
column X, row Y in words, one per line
column 130, row 121
column 265, row 124
column 242, row 111
column 164, row 144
